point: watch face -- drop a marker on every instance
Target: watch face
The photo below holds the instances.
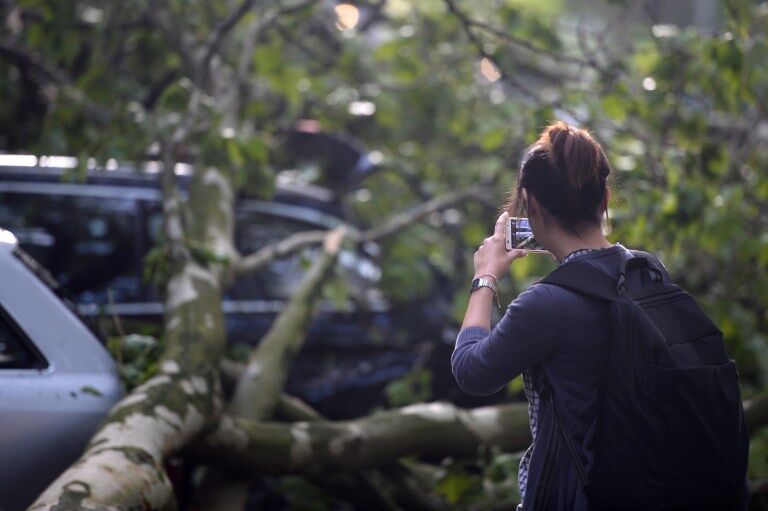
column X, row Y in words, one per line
column 475, row 282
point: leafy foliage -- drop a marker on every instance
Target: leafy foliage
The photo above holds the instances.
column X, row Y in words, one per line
column 486, row 484
column 137, row 358
column 414, row 387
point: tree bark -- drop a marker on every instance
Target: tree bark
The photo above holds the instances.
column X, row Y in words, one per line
column 317, row 447
column 389, row 487
column 260, row 384
column 311, row 446
column 122, row 466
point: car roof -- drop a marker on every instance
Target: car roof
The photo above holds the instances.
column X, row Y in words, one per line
column 300, row 201
column 8, row 242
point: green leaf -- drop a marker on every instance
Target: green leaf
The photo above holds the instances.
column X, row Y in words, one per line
column 454, row 487
column 493, row 139
column 614, row 107
column 515, row 386
column 235, row 153
column 414, row 387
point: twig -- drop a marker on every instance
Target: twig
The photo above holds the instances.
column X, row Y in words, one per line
column 395, row 223
column 518, row 41
column 467, row 24
column 115, row 317
column 321, row 61
column 219, row 33
column 56, row 76
column 173, row 227
column 160, row 16
column 282, row 248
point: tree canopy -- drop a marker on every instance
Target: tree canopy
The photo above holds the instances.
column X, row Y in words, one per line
column 443, row 95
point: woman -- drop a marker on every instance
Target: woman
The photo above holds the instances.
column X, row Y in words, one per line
column 562, row 188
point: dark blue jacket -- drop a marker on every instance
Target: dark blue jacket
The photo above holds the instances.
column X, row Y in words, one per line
column 565, row 334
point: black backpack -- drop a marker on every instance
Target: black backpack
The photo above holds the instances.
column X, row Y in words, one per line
column 670, row 431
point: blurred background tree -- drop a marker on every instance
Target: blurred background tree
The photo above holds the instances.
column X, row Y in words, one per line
column 445, row 94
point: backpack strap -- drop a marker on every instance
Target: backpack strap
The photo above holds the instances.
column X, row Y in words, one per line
column 651, row 270
column 655, row 262
column 582, row 277
column 581, row 471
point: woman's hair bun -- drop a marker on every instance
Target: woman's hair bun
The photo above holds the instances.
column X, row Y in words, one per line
column 574, row 152
column 567, row 171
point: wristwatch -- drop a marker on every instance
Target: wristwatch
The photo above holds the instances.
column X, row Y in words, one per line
column 483, row 282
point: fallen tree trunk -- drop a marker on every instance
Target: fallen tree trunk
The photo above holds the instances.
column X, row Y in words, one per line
column 122, row 466
column 259, row 386
column 261, row 383
column 258, row 396
column 315, row 447
column 392, row 486
column 311, row 446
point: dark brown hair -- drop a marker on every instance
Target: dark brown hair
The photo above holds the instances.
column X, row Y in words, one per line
column 567, row 171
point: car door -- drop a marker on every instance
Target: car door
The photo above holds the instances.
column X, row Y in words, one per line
column 57, row 382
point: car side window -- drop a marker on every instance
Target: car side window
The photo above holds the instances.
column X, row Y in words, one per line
column 16, row 351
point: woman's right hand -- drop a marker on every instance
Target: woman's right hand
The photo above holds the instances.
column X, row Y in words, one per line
column 492, row 257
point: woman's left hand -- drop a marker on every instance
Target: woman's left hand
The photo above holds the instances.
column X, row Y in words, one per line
column 492, row 257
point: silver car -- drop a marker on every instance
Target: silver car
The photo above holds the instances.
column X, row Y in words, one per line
column 57, row 381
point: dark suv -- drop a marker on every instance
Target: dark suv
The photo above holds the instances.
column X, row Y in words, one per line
column 93, row 237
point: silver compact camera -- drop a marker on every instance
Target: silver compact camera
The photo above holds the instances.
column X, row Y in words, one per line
column 518, row 234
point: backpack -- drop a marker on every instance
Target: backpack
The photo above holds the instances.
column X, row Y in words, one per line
column 670, row 427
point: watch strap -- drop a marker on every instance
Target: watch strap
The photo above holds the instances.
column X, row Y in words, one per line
column 479, row 282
